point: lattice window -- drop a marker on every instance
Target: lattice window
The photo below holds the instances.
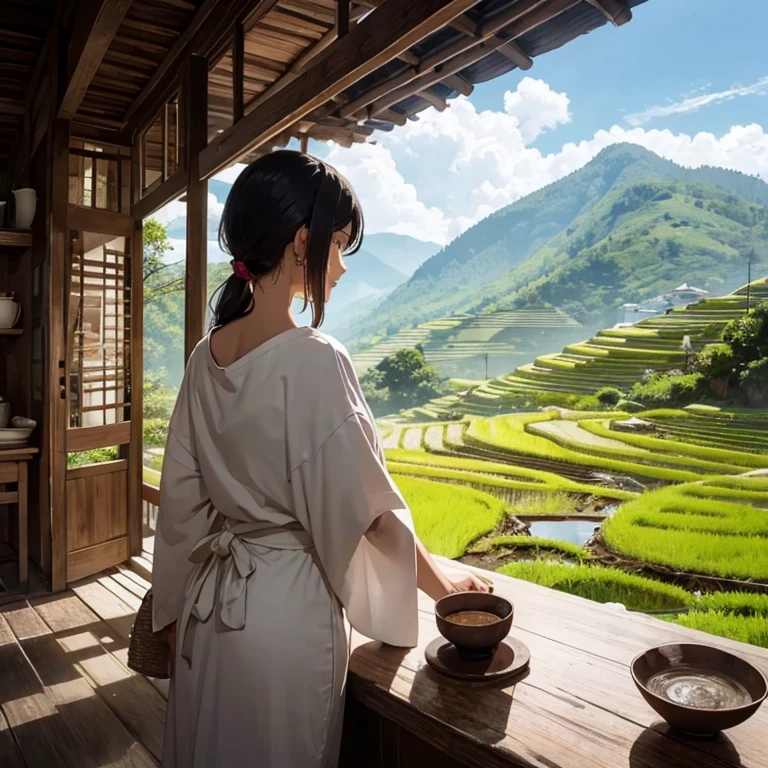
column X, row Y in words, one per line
column 99, row 330
column 162, row 146
column 99, row 178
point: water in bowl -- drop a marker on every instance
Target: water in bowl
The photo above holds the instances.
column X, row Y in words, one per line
column 698, row 688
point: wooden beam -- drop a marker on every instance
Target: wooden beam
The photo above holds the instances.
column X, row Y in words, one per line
column 490, row 42
column 200, row 38
column 516, row 55
column 342, row 18
column 377, row 39
column 95, row 27
column 461, row 23
column 616, row 11
column 238, row 73
column 304, row 143
column 195, row 286
column 161, row 195
column 438, row 102
column 459, row 84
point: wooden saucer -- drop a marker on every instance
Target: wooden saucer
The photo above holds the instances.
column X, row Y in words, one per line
column 510, row 659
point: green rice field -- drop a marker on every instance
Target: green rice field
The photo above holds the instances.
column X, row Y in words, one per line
column 682, row 506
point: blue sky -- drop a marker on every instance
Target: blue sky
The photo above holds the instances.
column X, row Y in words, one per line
column 687, row 79
column 670, row 49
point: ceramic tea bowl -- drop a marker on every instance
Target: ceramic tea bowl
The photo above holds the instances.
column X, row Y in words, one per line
column 475, row 622
column 697, row 689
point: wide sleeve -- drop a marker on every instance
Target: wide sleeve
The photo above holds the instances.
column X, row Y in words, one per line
column 340, row 492
column 185, row 517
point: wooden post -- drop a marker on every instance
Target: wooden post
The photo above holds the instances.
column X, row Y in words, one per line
column 58, row 386
column 134, row 452
column 304, row 143
column 196, row 127
column 238, row 67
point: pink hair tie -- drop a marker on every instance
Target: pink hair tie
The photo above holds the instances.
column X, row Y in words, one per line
column 241, row 270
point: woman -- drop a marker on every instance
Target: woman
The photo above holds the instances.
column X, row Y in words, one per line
column 276, row 507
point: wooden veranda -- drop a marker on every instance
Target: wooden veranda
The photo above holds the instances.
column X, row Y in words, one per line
column 109, row 110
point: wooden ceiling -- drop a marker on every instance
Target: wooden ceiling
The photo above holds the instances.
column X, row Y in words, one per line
column 144, row 42
column 145, row 36
column 24, row 25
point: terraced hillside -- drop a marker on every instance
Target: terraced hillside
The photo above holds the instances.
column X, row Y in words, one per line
column 612, row 358
column 457, row 345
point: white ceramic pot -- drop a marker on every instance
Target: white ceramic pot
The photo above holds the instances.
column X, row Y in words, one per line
column 10, row 311
column 26, row 203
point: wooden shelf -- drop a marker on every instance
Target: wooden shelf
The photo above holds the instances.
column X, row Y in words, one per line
column 11, row 331
column 15, row 238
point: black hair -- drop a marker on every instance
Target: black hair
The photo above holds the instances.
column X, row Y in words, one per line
column 270, row 201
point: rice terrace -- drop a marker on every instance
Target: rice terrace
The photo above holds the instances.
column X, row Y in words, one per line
column 659, row 509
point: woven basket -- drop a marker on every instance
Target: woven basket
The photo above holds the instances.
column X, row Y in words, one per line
column 148, row 652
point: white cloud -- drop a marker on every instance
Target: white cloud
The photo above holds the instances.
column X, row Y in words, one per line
column 435, row 177
column 694, row 103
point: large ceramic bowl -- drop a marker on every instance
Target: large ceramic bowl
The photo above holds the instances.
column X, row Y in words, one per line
column 697, row 689
column 473, row 640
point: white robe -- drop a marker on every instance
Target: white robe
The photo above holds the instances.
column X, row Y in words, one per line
column 280, row 447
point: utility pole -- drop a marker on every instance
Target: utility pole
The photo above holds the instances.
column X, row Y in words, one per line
column 749, row 280
column 486, row 366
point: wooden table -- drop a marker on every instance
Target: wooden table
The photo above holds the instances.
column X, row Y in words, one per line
column 578, row 707
column 13, row 469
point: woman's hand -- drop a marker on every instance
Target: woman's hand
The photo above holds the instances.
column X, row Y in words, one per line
column 467, row 582
column 171, row 637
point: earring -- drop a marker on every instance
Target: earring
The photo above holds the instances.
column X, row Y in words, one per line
column 297, row 260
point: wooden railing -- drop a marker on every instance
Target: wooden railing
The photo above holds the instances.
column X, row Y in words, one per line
column 150, row 502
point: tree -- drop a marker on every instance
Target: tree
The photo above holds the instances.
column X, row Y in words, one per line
column 160, row 277
column 748, row 337
column 402, row 380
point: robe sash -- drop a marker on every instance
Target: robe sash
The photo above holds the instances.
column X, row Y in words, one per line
column 225, row 561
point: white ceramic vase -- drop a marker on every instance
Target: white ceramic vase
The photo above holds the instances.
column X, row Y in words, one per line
column 26, row 203
column 10, row 311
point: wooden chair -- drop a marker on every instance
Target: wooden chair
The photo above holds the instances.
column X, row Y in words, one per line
column 13, row 471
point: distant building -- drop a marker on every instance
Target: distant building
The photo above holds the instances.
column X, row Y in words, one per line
column 681, row 296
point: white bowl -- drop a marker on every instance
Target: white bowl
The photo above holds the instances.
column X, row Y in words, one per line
column 13, row 437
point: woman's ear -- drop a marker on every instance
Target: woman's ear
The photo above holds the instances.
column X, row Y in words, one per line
column 300, row 243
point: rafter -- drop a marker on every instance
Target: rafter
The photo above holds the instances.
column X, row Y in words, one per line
column 492, row 40
column 377, row 39
column 516, row 55
column 486, row 38
column 209, row 28
column 96, row 26
column 616, row 11
column 438, row 102
column 459, row 84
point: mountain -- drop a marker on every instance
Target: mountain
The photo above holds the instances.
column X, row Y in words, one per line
column 579, row 228
column 403, row 253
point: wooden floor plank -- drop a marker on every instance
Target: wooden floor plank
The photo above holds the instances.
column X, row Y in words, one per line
column 117, row 614
column 102, row 738
column 10, row 757
column 111, row 580
column 40, row 733
column 131, row 581
column 99, row 652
